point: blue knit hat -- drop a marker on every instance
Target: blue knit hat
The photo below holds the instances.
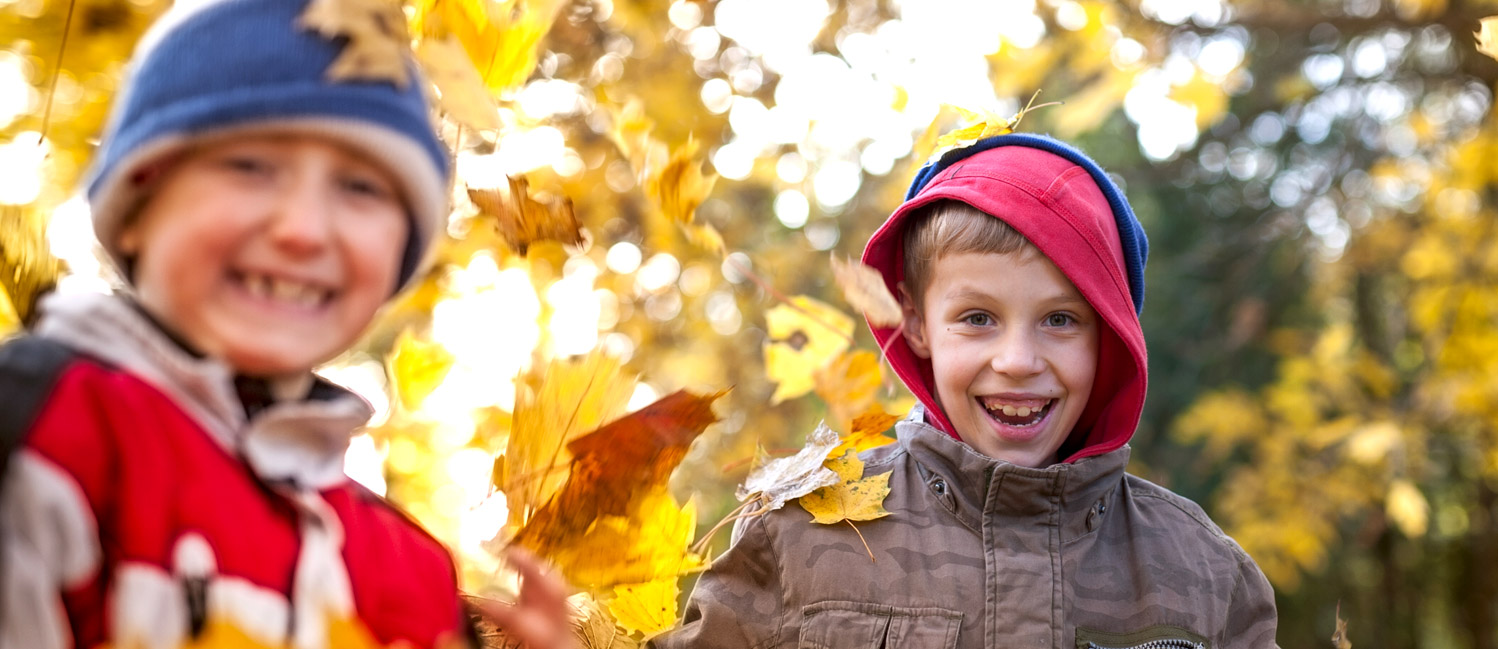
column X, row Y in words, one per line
column 220, row 68
column 1136, row 247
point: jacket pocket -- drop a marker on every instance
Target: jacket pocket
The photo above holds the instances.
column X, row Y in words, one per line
column 859, row 625
column 1160, row 636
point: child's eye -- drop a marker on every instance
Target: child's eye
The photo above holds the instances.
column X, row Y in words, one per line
column 1059, row 320
column 247, row 164
column 978, row 319
column 367, row 187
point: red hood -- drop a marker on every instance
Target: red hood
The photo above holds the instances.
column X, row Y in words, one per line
column 1058, row 206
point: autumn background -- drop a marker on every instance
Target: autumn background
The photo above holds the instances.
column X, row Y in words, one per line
column 649, row 193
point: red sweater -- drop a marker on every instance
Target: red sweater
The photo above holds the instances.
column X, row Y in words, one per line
column 148, row 524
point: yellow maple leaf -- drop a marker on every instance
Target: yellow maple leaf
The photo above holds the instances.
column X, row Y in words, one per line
column 461, row 90
column 983, row 123
column 417, row 367
column 27, row 268
column 500, row 37
column 523, row 219
column 679, row 186
column 1487, row 38
column 864, row 288
column 867, row 432
column 555, row 405
column 804, row 336
column 378, row 43
column 648, row 608
column 854, row 498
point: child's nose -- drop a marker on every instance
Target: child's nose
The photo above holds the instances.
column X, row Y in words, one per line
column 301, row 221
column 1016, row 354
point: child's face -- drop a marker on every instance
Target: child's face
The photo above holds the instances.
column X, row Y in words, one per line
column 1013, row 347
column 269, row 252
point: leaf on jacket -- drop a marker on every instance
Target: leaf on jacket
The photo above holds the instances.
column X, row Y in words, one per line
column 864, row 288
column 853, row 498
column 1487, row 38
column 804, row 336
column 523, row 219
column 867, row 432
column 784, row 479
column 648, row 609
column 377, row 45
column 679, row 186
column 554, row 406
column 462, row 94
column 417, row 367
column 615, row 494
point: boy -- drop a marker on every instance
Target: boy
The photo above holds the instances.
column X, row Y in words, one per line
column 177, row 470
column 1020, row 269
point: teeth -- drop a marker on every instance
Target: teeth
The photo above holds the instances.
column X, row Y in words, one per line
column 1016, row 411
column 297, row 293
column 1009, row 410
column 1022, row 411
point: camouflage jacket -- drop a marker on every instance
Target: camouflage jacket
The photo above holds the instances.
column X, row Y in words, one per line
column 982, row 553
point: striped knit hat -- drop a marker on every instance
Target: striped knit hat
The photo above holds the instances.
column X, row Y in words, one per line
column 218, row 68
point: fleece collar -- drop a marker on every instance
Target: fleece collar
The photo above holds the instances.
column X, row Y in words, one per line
column 297, row 441
column 1065, row 204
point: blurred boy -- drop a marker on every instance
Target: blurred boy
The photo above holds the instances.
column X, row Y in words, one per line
column 1020, row 269
column 179, row 477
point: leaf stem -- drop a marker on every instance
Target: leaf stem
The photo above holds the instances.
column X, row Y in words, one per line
column 736, row 514
column 860, row 538
column 62, row 48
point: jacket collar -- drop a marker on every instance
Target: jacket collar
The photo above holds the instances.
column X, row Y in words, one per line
column 978, row 489
column 299, row 441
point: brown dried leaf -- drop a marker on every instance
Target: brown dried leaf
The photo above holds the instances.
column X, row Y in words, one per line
column 377, row 45
column 523, row 219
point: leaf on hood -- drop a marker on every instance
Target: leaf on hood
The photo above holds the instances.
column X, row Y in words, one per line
column 648, row 609
column 553, row 407
column 784, row 479
column 377, row 45
column 867, row 432
column 853, row 498
column 523, row 219
column 804, row 336
column 679, row 186
column 985, row 123
column 461, row 90
column 417, row 367
column 864, row 288
column 615, row 494
column 1487, row 38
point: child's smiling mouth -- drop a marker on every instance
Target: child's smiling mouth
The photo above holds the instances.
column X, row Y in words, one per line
column 1018, row 413
column 295, row 293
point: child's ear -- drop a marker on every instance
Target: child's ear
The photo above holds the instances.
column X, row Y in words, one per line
column 914, row 326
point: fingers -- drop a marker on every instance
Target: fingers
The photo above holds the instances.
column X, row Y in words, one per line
column 537, row 586
column 540, row 618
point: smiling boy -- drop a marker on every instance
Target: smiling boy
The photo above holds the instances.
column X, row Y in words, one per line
column 179, row 477
column 1012, row 523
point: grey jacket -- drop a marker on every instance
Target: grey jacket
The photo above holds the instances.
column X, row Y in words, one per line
column 978, row 552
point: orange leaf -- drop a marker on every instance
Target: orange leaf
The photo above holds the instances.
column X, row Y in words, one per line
column 868, row 432
column 523, row 220
column 864, row 288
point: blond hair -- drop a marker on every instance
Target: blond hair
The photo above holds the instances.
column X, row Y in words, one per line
column 950, row 227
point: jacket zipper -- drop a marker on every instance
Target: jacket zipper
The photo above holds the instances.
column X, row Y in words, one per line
column 1168, row 643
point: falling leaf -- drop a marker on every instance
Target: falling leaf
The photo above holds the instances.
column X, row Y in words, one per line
column 417, row 367
column 27, row 268
column 501, row 37
column 1407, row 507
column 679, row 186
column 704, row 236
column 864, row 288
column 784, row 479
column 377, row 45
column 652, row 540
column 523, row 219
column 848, row 384
column 619, row 472
column 853, row 498
column 1339, row 637
column 1487, row 39
column 553, row 407
column 462, row 92
column 867, row 432
column 648, row 609
column 804, row 336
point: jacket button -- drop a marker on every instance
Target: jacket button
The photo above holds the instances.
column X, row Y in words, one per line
column 939, row 486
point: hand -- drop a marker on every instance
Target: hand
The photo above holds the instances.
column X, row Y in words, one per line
column 541, row 617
